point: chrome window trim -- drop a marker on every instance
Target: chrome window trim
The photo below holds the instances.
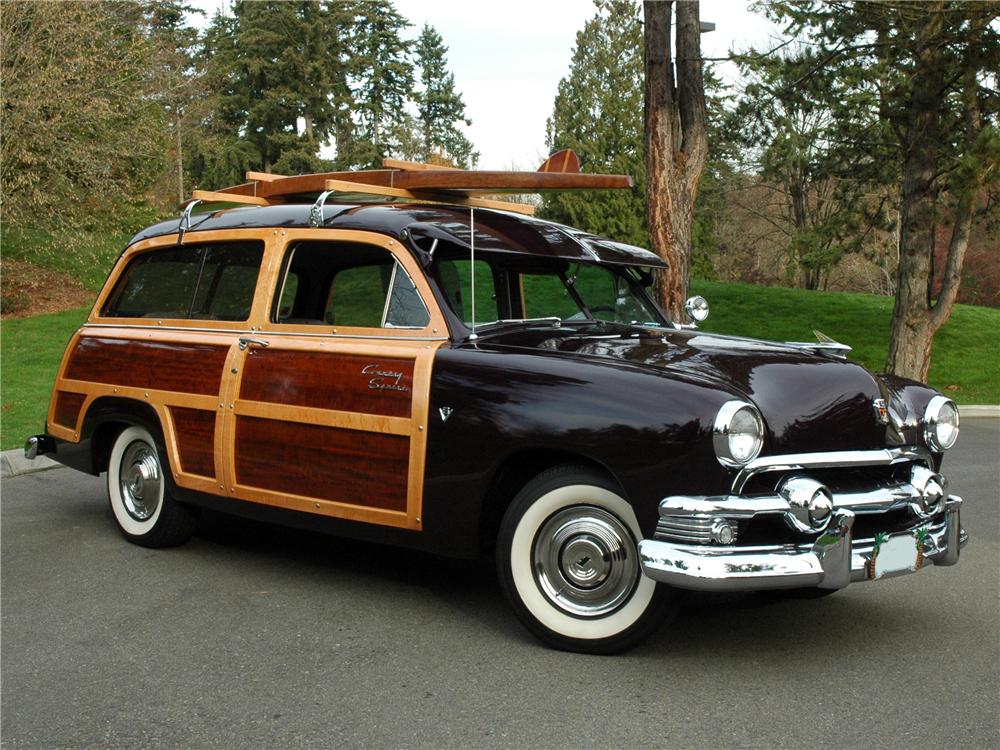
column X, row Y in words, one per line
column 239, row 331
column 831, row 459
column 388, row 292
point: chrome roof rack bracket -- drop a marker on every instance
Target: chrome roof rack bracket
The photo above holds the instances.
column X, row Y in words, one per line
column 185, row 223
column 316, row 212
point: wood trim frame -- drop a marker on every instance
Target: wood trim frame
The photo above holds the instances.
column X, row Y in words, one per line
column 417, row 345
column 435, row 330
column 267, row 236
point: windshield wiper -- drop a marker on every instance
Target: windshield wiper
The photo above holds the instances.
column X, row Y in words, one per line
column 554, row 320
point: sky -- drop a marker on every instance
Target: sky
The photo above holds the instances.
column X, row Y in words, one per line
column 508, row 58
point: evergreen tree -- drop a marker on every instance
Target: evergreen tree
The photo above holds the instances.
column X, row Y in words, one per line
column 598, row 113
column 271, row 65
column 382, row 77
column 440, row 105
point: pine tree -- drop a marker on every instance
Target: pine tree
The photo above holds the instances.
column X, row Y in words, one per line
column 440, row 105
column 382, row 77
column 598, row 114
column 271, row 65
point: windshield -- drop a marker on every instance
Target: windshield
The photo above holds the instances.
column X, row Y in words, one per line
column 514, row 289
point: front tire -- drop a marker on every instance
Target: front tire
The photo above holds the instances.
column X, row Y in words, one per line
column 568, row 563
column 144, row 510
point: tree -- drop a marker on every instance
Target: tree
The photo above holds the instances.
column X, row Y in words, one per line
column 176, row 81
column 930, row 70
column 271, row 65
column 382, row 76
column 440, row 106
column 676, row 139
column 597, row 113
column 81, row 131
column 794, row 146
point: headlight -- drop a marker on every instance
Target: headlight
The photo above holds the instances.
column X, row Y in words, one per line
column 738, row 434
column 940, row 423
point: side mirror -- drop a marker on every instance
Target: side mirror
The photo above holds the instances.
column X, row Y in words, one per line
column 697, row 308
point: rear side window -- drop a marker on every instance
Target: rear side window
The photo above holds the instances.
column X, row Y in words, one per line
column 200, row 282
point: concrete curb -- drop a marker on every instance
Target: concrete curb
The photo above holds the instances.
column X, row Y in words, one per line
column 978, row 411
column 14, row 464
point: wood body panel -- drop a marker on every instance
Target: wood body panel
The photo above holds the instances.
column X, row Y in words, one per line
column 182, row 366
column 321, row 380
column 195, row 431
column 344, row 466
column 191, row 374
column 67, row 408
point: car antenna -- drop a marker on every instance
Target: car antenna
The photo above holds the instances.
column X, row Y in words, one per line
column 472, row 268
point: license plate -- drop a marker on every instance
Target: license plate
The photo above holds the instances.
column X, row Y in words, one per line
column 897, row 554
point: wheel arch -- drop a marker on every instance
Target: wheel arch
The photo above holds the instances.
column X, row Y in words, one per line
column 109, row 415
column 513, row 473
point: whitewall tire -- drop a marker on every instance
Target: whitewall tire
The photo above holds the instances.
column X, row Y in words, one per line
column 568, row 563
column 138, row 492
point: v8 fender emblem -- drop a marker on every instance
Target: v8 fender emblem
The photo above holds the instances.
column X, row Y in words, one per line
column 445, row 412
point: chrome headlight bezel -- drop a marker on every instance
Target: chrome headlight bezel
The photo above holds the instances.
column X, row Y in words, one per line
column 722, row 433
column 933, row 421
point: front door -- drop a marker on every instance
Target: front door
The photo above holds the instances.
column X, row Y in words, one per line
column 328, row 402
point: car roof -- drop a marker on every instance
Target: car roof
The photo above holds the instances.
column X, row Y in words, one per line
column 419, row 225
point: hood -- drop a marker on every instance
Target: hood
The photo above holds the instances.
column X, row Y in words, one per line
column 809, row 401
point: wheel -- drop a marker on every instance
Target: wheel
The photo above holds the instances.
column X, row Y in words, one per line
column 568, row 564
column 137, row 490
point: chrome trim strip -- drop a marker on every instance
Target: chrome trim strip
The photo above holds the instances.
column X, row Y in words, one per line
column 240, row 331
column 832, row 561
column 831, row 459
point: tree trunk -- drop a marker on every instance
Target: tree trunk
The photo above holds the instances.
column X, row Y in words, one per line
column 676, row 143
column 916, row 317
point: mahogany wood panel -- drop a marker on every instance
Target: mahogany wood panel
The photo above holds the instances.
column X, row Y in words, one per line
column 68, row 408
column 342, row 382
column 360, row 468
column 161, row 365
column 195, row 430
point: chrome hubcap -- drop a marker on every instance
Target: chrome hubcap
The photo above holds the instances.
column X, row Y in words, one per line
column 585, row 561
column 140, row 480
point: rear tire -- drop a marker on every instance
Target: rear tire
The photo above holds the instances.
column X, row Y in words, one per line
column 568, row 563
column 144, row 510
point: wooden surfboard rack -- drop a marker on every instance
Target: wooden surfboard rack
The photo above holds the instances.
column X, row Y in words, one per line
column 401, row 180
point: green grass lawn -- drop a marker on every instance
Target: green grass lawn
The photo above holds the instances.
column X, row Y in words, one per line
column 965, row 349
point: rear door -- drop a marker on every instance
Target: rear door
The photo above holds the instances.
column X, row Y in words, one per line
column 328, row 400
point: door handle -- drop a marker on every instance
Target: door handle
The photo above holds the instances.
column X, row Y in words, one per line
column 248, row 341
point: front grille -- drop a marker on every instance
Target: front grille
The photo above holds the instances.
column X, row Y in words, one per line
column 840, row 479
column 685, row 529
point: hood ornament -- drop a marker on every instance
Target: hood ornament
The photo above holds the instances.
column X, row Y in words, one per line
column 824, row 345
column 881, row 410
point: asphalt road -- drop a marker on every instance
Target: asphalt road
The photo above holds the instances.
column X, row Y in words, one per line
column 254, row 636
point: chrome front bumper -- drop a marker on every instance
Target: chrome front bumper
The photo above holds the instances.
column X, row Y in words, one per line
column 831, row 561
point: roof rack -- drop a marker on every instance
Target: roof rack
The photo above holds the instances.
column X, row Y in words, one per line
column 417, row 181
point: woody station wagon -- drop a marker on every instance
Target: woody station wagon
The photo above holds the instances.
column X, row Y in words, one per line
column 391, row 356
